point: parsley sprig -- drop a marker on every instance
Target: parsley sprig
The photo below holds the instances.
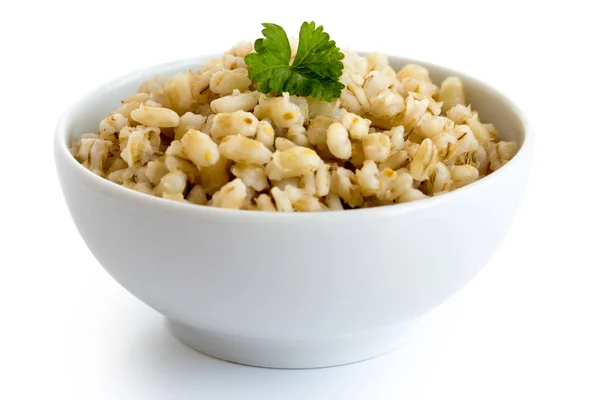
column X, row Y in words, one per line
column 315, row 71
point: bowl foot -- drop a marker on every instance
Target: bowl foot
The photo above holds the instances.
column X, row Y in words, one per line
column 294, row 354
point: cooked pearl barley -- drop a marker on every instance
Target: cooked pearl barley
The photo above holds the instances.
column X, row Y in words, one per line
column 114, row 164
column 140, row 175
column 376, row 61
column 355, row 63
column 235, row 102
column 99, row 153
column 317, row 130
column 303, row 202
column 241, row 49
column 324, row 108
column 395, row 186
column 189, row 121
column 308, row 184
column 361, row 97
column 232, row 195
column 441, row 179
column 376, row 82
column 297, row 134
column 302, row 104
column 112, row 125
column 293, row 162
column 308, row 203
column 155, row 116
column 434, row 107
column 123, row 136
column 176, row 149
column 334, row 202
column 215, row 176
column 414, row 71
column 481, row 158
column 138, row 97
column 197, row 195
column 253, row 176
column 357, row 127
column 386, row 104
column 424, row 161
column 431, row 126
column 442, row 142
column 387, row 183
column 173, row 196
column 153, row 135
column 280, row 110
column 410, row 194
column 465, row 143
column 414, row 111
column 281, row 184
column 265, row 203
column 232, row 62
column 174, row 163
column 225, row 82
column 200, row 148
column 368, row 178
column 208, row 124
column 282, row 201
column 451, row 93
column 491, row 130
column 480, row 132
column 500, row 153
column 209, row 138
column 350, row 102
column 179, row 92
column 238, row 122
column 155, row 170
column 293, row 193
column 411, row 148
column 204, row 109
column 396, row 136
column 143, row 187
column 265, row 133
column 358, row 155
column 83, row 153
column 463, row 175
column 338, row 141
column 154, row 84
column 376, row 146
column 423, row 88
column 506, row 150
column 74, row 148
column 396, row 160
column 282, row 144
column 459, row 113
column 343, row 183
column 121, row 176
column 322, row 179
column 152, row 103
column 202, row 94
column 172, row 183
column 137, row 149
column 241, row 149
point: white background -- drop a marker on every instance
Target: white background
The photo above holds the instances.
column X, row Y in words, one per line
column 526, row 328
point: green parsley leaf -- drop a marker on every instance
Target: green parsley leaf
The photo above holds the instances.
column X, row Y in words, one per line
column 316, row 68
column 317, row 54
column 269, row 67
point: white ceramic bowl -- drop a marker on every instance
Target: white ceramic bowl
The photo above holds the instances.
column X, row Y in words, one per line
column 292, row 290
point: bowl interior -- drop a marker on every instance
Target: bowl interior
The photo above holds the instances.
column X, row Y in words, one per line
column 88, row 112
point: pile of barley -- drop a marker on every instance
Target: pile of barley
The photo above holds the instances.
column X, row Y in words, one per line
column 209, row 138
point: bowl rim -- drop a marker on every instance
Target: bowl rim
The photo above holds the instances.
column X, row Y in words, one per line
column 114, row 190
